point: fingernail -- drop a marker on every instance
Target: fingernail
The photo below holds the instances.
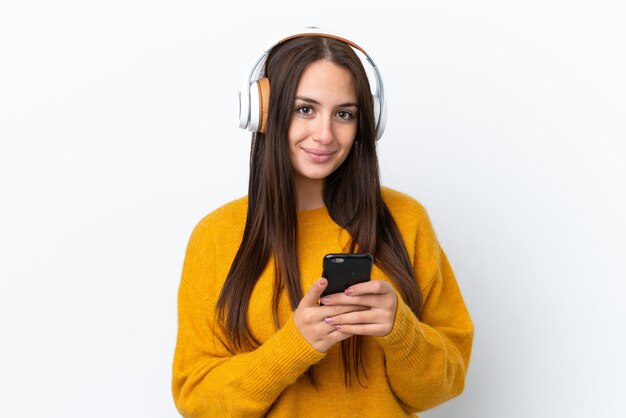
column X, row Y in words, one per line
column 328, row 320
column 322, row 281
column 325, row 300
column 349, row 291
column 337, row 326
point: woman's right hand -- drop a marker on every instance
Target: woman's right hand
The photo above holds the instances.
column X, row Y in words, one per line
column 310, row 318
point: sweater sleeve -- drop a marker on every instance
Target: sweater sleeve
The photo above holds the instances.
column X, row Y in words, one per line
column 209, row 379
column 427, row 358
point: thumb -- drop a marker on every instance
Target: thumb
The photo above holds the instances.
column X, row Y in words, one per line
column 312, row 296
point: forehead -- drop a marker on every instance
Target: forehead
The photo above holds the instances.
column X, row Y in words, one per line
column 324, row 76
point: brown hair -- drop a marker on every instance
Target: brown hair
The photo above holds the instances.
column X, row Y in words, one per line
column 351, row 194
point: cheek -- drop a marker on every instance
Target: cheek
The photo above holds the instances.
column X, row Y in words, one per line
column 293, row 138
column 347, row 138
column 296, row 132
column 346, row 152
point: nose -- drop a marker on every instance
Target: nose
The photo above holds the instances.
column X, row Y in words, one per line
column 324, row 130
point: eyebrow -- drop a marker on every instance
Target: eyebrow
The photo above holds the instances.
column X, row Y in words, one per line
column 309, row 100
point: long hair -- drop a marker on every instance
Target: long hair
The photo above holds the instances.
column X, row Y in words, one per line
column 352, row 195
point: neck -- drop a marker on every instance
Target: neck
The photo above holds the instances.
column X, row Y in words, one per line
column 309, row 193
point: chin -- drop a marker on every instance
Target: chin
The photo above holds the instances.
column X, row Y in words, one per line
column 317, row 175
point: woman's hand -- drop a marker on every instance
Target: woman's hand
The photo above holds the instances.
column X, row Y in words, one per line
column 312, row 321
column 379, row 302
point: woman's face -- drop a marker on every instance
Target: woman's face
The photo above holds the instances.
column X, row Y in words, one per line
column 324, row 121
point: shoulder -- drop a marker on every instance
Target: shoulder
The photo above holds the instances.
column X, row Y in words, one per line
column 213, row 241
column 228, row 217
column 402, row 206
column 231, row 212
column 410, row 216
column 416, row 229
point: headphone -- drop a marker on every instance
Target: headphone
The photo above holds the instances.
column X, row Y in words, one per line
column 255, row 91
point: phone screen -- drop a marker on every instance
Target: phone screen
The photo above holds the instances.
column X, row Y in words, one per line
column 344, row 270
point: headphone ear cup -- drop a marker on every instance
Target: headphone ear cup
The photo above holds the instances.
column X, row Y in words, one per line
column 244, row 105
column 259, row 101
column 263, row 85
column 380, row 116
column 253, row 117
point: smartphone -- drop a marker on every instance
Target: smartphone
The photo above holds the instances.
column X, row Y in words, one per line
column 345, row 270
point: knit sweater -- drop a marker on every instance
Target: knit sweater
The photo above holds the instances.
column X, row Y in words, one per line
column 418, row 365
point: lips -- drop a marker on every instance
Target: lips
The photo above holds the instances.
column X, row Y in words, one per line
column 317, row 155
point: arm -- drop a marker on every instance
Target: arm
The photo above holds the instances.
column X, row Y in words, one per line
column 209, row 379
column 427, row 358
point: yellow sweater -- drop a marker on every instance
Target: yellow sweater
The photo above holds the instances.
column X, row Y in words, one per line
column 418, row 365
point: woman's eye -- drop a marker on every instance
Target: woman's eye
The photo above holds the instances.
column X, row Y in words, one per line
column 304, row 110
column 344, row 114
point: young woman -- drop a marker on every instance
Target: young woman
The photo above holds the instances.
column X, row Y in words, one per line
column 254, row 338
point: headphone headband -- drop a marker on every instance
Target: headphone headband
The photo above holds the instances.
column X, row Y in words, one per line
column 324, row 34
column 254, row 93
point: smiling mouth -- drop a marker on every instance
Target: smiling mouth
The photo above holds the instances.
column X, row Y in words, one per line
column 318, row 156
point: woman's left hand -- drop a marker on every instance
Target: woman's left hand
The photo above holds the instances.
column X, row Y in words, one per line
column 378, row 320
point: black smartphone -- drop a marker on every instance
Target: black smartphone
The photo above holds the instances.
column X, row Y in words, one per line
column 345, row 270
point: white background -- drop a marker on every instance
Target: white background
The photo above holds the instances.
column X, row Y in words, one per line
column 118, row 133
